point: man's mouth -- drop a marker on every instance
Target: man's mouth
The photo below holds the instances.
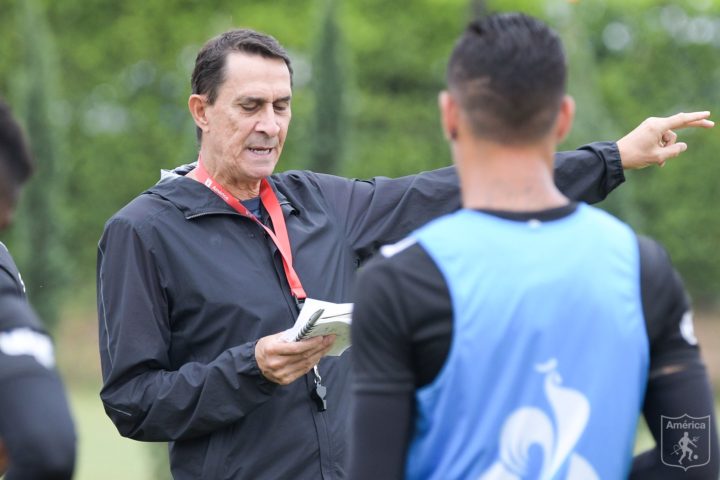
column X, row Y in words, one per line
column 261, row 150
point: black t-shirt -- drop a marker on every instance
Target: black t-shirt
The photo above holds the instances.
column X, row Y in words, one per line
column 407, row 299
column 35, row 422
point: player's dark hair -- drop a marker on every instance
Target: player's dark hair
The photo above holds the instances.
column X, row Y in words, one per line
column 209, row 72
column 16, row 163
column 508, row 73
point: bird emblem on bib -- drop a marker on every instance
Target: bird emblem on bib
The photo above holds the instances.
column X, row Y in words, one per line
column 529, row 428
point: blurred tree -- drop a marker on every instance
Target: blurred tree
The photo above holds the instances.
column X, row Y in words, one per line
column 126, row 65
column 39, row 241
column 400, row 52
column 593, row 115
column 478, row 8
column 650, row 59
column 328, row 87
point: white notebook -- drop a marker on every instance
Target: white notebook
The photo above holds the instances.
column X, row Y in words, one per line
column 323, row 318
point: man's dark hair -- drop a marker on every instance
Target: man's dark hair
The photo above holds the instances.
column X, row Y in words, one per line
column 209, row 72
column 16, row 163
column 508, row 73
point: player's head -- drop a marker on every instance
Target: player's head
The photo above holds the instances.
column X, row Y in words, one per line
column 506, row 81
column 16, row 164
column 209, row 72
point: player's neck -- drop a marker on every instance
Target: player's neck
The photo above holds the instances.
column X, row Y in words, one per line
column 508, row 178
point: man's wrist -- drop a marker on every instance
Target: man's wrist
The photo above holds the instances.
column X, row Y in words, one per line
column 246, row 365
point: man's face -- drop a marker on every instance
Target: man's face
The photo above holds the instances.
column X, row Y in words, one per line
column 247, row 124
column 8, row 201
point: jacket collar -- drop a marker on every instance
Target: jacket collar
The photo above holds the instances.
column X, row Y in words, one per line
column 195, row 199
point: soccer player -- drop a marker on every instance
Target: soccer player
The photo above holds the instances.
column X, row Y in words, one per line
column 37, row 436
column 521, row 336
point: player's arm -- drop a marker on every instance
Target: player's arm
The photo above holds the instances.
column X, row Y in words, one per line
column 678, row 384
column 36, row 428
column 402, row 329
column 383, row 380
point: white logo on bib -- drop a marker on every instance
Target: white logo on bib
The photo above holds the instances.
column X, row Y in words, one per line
column 530, row 426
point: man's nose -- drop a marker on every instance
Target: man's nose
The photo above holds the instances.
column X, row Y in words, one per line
column 268, row 122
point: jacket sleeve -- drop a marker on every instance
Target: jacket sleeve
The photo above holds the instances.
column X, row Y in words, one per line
column 144, row 396
column 36, row 426
column 384, row 210
column 589, row 173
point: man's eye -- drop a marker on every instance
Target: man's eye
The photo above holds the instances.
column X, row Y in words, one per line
column 249, row 107
column 281, row 107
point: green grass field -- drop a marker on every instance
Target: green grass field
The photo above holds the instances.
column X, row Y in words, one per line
column 103, row 453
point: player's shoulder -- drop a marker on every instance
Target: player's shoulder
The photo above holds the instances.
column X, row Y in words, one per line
column 605, row 221
column 652, row 251
column 10, row 278
column 391, row 250
column 403, row 262
column 16, row 312
column 407, row 254
column 6, row 260
column 656, row 265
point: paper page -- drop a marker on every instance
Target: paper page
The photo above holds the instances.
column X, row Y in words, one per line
column 335, row 319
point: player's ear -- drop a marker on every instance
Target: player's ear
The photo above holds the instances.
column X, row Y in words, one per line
column 449, row 115
column 197, row 104
column 565, row 118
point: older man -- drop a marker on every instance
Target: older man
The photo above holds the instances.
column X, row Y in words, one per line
column 198, row 276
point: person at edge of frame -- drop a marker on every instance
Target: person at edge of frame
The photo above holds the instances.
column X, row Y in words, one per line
column 37, row 434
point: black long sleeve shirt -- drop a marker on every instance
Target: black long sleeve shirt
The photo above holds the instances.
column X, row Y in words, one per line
column 406, row 298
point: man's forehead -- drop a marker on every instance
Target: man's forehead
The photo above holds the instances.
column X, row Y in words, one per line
column 252, row 65
column 256, row 76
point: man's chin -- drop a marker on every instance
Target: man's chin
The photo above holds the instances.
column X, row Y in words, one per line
column 261, row 171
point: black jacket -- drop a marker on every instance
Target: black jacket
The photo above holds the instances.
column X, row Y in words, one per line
column 35, row 422
column 186, row 286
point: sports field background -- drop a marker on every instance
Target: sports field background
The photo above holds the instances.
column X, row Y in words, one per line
column 101, row 88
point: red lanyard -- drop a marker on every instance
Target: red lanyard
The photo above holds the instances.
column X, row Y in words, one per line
column 271, row 204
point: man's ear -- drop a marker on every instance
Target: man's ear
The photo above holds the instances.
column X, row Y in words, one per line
column 565, row 118
column 197, row 105
column 449, row 115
